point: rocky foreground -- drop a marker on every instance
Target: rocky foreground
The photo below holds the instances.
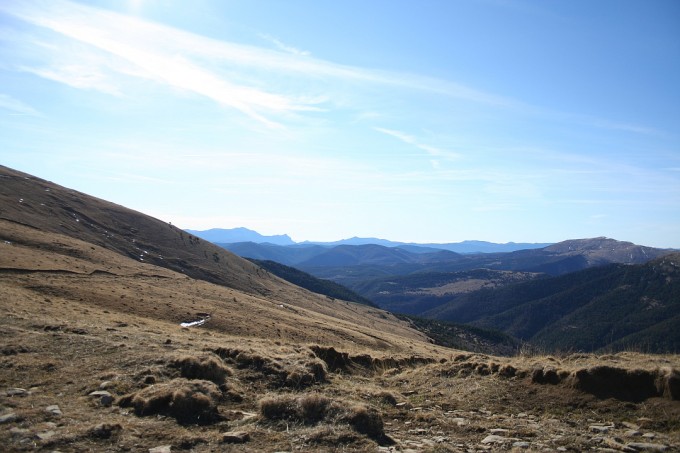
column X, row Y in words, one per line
column 76, row 378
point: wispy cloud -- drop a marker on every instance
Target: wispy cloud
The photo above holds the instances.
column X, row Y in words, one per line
column 410, row 140
column 77, row 76
column 267, row 85
column 284, row 47
column 16, row 107
column 137, row 43
column 234, row 75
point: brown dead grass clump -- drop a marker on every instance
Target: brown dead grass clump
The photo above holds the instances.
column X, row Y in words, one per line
column 314, row 408
column 304, row 374
column 307, row 409
column 284, row 371
column 365, row 420
column 606, row 381
column 208, row 367
column 190, row 402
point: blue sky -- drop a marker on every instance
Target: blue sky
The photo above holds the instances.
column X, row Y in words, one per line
column 424, row 121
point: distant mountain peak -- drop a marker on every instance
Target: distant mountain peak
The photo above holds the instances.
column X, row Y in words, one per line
column 240, row 234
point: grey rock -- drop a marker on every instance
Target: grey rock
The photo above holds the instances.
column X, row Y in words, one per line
column 235, row 437
column 161, row 449
column 495, row 439
column 105, row 398
column 15, row 391
column 54, row 410
column 499, row 431
column 8, row 418
column 601, row 429
column 46, row 435
column 632, row 433
column 521, row 444
column 19, row 432
column 645, row 446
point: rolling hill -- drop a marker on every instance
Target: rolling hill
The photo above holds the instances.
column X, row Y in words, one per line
column 81, row 239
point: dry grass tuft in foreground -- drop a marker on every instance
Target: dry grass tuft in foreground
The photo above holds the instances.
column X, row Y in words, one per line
column 187, row 401
column 313, row 408
column 207, row 367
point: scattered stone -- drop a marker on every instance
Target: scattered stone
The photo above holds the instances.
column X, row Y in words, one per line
column 105, row 398
column 17, row 392
column 8, row 418
column 104, row 385
column 630, row 425
column 499, row 431
column 632, row 433
column 45, row 435
column 649, row 435
column 601, row 429
column 645, row 422
column 613, row 443
column 235, row 437
column 495, row 439
column 161, row 449
column 105, row 430
column 54, row 410
column 644, row 446
column 19, row 432
column 521, row 444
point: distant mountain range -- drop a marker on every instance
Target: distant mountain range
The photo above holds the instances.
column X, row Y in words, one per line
column 235, row 235
column 348, row 264
column 580, row 294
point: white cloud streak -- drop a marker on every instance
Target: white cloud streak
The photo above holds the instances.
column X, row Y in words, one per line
column 410, row 140
column 233, row 75
column 282, row 46
column 16, row 106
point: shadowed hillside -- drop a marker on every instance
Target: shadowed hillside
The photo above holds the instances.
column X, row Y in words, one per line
column 615, row 306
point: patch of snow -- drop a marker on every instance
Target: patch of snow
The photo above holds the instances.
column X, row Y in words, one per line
column 198, row 322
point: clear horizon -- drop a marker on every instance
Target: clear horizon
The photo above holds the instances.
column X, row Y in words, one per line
column 428, row 122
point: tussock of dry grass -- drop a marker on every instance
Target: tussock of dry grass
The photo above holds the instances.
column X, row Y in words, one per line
column 310, row 409
column 187, row 401
column 206, row 367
